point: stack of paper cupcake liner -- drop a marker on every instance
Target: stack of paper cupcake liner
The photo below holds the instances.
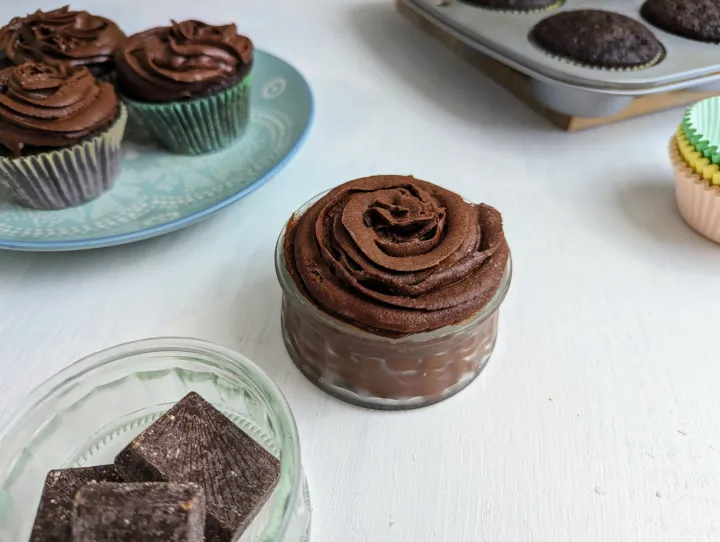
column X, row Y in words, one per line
column 696, row 164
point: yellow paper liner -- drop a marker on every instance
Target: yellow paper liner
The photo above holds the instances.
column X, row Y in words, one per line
column 698, row 200
column 695, row 160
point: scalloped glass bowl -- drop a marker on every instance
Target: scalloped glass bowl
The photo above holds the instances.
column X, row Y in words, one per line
column 87, row 413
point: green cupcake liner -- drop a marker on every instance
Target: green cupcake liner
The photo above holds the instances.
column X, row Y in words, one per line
column 197, row 126
column 107, row 78
column 701, row 125
column 66, row 177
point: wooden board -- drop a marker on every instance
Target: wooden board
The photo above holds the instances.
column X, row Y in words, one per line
column 519, row 84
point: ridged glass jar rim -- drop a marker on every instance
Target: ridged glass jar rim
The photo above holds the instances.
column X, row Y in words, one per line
column 290, row 487
column 291, row 290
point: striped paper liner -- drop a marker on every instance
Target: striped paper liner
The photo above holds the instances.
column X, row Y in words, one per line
column 66, row 177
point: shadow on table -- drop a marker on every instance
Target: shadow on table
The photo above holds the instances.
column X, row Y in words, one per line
column 249, row 323
column 58, row 264
column 257, row 334
column 650, row 207
column 423, row 65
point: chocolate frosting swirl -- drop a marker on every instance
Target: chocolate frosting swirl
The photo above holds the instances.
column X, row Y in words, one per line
column 185, row 60
column 61, row 36
column 51, row 106
column 395, row 255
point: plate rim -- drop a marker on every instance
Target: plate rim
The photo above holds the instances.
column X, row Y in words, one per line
column 180, row 223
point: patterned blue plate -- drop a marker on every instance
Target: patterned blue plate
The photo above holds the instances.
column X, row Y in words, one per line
column 159, row 192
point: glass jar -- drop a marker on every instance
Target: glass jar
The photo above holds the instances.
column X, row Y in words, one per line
column 378, row 372
column 90, row 411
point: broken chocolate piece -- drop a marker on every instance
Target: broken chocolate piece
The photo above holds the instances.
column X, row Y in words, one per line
column 54, row 516
column 195, row 442
column 139, row 513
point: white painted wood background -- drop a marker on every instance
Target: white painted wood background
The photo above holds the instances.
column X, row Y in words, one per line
column 598, row 418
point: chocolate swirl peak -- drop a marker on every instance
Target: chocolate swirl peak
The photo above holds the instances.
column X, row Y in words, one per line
column 395, row 255
column 61, row 36
column 51, row 106
column 186, row 60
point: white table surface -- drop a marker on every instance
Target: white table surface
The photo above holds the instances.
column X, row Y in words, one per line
column 598, row 418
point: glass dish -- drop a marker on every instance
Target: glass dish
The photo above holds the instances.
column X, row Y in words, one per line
column 87, row 413
column 378, row 372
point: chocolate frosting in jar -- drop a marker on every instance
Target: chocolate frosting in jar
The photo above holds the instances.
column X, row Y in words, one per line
column 394, row 255
column 61, row 36
column 45, row 106
column 186, row 60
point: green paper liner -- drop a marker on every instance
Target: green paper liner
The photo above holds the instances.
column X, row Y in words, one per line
column 107, row 78
column 198, row 126
column 66, row 177
column 701, row 125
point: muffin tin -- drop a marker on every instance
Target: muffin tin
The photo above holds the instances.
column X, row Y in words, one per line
column 562, row 85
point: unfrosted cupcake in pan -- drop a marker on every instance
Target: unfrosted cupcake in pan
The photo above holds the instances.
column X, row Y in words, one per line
column 189, row 84
column 516, row 5
column 694, row 19
column 60, row 135
column 61, row 36
column 597, row 38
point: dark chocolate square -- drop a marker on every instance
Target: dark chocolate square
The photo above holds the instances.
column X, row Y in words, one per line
column 151, row 512
column 195, row 442
column 54, row 516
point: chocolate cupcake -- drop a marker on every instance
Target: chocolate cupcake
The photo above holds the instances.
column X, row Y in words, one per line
column 516, row 5
column 60, row 135
column 61, row 36
column 391, row 290
column 694, row 19
column 189, row 83
column 597, row 38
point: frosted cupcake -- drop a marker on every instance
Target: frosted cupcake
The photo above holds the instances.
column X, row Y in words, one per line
column 62, row 36
column 60, row 135
column 695, row 155
column 189, row 84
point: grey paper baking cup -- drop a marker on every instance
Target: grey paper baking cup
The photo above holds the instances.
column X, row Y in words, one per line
column 509, row 10
column 198, row 126
column 66, row 177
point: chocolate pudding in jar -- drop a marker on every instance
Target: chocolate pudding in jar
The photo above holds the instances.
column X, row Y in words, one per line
column 391, row 290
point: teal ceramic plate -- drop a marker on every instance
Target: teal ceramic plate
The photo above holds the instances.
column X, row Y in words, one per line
column 159, row 192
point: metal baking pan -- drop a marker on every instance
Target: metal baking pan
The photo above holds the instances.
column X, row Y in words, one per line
column 569, row 88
